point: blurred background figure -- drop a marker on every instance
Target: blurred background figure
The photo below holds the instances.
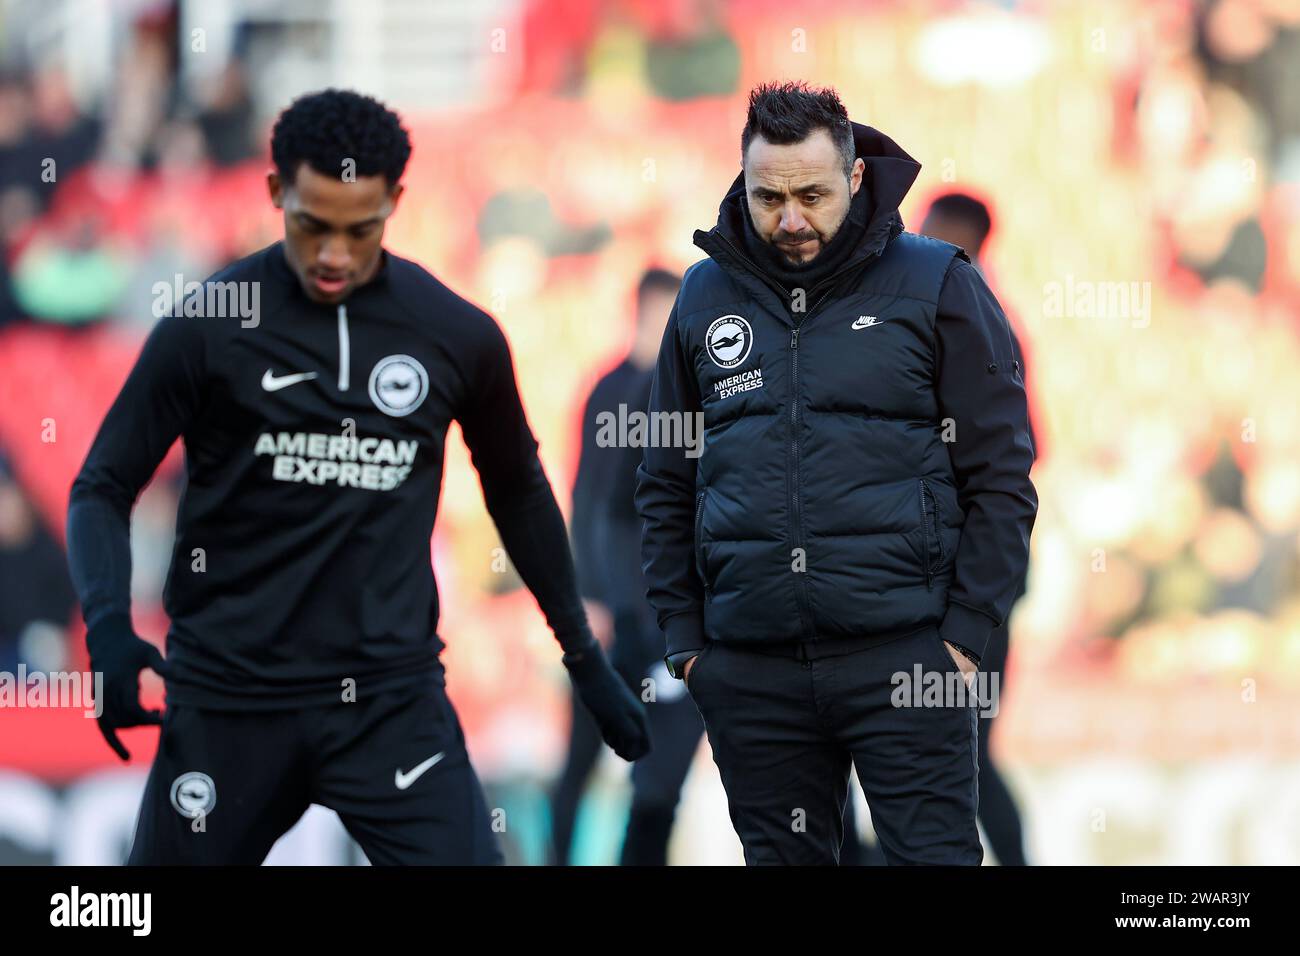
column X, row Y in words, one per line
column 36, row 599
column 965, row 221
column 607, row 553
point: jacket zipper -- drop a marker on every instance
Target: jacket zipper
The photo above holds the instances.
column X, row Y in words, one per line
column 935, row 521
column 699, row 543
column 796, row 515
column 345, row 350
column 925, row 530
column 938, row 526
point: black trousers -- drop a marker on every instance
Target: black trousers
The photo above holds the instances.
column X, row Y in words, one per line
column 998, row 812
column 225, row 786
column 657, row 778
column 785, row 734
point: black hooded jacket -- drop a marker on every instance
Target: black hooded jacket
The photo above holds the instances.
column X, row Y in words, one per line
column 866, row 455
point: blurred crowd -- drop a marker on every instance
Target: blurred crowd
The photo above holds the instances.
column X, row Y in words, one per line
column 1142, row 162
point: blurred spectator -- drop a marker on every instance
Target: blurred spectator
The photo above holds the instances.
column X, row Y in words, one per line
column 528, row 213
column 697, row 58
column 226, row 112
column 19, row 156
column 145, row 90
column 43, row 136
column 36, row 599
column 71, row 273
column 965, row 221
column 61, row 133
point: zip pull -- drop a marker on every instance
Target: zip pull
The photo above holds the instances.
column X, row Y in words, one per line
column 794, row 338
column 345, row 352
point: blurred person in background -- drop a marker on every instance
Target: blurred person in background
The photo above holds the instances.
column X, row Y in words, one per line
column 965, row 221
column 606, row 550
column 225, row 109
column 44, row 138
column 73, row 271
column 303, row 657
column 36, row 597
column 828, row 537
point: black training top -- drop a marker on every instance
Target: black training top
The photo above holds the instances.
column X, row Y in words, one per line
column 314, row 440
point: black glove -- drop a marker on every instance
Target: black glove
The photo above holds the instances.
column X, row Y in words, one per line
column 118, row 654
column 619, row 714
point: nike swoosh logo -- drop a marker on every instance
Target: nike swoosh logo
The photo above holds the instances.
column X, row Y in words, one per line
column 862, row 321
column 404, row 780
column 273, row 383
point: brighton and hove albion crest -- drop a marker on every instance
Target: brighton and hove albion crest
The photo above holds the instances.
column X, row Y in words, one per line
column 398, row 385
column 728, row 341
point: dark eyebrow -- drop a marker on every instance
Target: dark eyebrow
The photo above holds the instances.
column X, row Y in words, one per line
column 762, row 192
column 311, row 220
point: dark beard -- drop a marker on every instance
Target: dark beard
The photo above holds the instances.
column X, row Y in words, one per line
column 833, row 254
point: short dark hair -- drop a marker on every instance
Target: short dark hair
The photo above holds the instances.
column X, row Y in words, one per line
column 965, row 209
column 324, row 129
column 655, row 280
column 658, row 280
column 785, row 113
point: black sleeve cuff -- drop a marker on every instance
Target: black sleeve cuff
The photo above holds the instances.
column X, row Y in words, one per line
column 967, row 629
column 677, row 662
column 684, row 632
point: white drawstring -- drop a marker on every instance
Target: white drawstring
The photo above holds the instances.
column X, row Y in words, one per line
column 344, row 356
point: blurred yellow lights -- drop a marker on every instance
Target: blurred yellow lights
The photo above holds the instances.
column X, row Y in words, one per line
column 1272, row 494
column 1229, row 644
column 511, row 270
column 992, row 50
column 1115, row 594
column 1170, row 523
column 1228, row 545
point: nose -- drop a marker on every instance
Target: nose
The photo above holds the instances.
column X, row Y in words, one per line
column 334, row 254
column 792, row 220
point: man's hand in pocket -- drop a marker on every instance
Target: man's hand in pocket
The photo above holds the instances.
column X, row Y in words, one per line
column 686, row 671
column 964, row 664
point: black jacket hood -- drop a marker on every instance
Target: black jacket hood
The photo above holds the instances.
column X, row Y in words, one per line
column 889, row 174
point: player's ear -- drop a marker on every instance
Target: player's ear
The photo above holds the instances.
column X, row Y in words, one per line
column 275, row 186
column 395, row 194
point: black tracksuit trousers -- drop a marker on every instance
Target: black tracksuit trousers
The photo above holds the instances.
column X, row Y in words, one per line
column 785, row 733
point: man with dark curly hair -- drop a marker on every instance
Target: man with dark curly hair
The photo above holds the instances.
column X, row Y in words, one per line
column 313, row 383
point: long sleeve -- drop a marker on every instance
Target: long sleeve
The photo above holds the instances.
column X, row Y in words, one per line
column 980, row 388
column 665, row 499
column 516, row 491
column 161, row 397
